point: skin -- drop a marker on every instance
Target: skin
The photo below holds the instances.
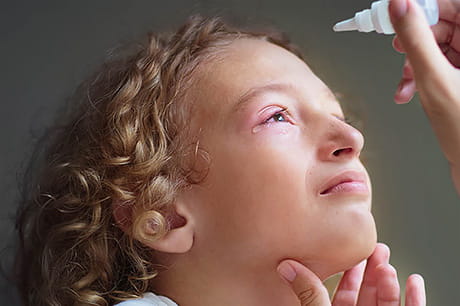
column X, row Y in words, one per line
column 261, row 201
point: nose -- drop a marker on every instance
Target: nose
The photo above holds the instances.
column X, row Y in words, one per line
column 340, row 141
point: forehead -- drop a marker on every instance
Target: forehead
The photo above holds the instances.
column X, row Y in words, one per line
column 255, row 62
column 248, row 67
column 287, row 88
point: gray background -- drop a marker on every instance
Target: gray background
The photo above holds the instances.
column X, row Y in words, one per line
column 48, row 47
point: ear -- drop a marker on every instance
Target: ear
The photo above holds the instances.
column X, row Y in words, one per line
column 180, row 238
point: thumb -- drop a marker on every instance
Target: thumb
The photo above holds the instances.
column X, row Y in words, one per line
column 305, row 284
column 417, row 39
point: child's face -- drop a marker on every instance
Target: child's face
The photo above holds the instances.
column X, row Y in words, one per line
column 261, row 201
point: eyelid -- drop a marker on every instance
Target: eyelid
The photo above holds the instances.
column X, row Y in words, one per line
column 282, row 111
column 276, row 110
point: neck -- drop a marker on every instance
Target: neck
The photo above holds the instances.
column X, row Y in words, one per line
column 191, row 282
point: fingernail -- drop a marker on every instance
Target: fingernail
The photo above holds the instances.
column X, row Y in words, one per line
column 398, row 8
column 287, row 271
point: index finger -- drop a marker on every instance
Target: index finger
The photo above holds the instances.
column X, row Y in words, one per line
column 348, row 289
column 368, row 291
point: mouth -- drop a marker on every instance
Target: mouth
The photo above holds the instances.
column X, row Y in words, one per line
column 346, row 182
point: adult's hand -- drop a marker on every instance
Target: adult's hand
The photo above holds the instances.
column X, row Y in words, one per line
column 431, row 68
column 371, row 284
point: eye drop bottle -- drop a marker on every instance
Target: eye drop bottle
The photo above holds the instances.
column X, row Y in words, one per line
column 377, row 18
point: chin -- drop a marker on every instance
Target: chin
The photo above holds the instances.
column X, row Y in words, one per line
column 349, row 251
column 345, row 263
column 362, row 252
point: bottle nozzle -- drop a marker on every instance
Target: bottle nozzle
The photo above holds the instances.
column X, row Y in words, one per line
column 346, row 25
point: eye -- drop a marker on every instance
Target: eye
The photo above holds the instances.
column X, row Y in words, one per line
column 279, row 116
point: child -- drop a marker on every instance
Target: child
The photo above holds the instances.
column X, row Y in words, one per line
column 190, row 168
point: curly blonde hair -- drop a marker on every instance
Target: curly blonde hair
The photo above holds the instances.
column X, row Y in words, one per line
column 124, row 142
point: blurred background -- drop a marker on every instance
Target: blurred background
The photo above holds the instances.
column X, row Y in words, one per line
column 49, row 47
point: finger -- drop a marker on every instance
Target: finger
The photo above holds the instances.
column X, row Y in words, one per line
column 348, row 289
column 407, row 73
column 449, row 9
column 405, row 91
column 305, row 284
column 388, row 292
column 417, row 40
column 447, row 35
column 415, row 291
column 368, row 292
column 397, row 45
column 452, row 55
column 443, row 31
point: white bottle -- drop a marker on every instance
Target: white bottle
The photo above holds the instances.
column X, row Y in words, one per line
column 377, row 18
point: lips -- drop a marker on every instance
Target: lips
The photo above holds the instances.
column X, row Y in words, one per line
column 346, row 182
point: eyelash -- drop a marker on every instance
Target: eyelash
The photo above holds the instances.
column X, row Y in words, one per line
column 283, row 112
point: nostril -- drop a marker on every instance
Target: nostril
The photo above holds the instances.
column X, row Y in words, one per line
column 341, row 151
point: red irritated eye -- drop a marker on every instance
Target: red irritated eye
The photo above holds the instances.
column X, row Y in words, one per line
column 279, row 116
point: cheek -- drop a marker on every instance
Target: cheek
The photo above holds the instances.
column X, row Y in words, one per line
column 326, row 239
column 259, row 192
column 264, row 174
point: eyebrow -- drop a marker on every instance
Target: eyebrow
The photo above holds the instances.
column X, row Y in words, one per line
column 253, row 92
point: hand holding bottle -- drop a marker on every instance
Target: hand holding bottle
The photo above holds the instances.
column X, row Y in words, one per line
column 431, row 68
